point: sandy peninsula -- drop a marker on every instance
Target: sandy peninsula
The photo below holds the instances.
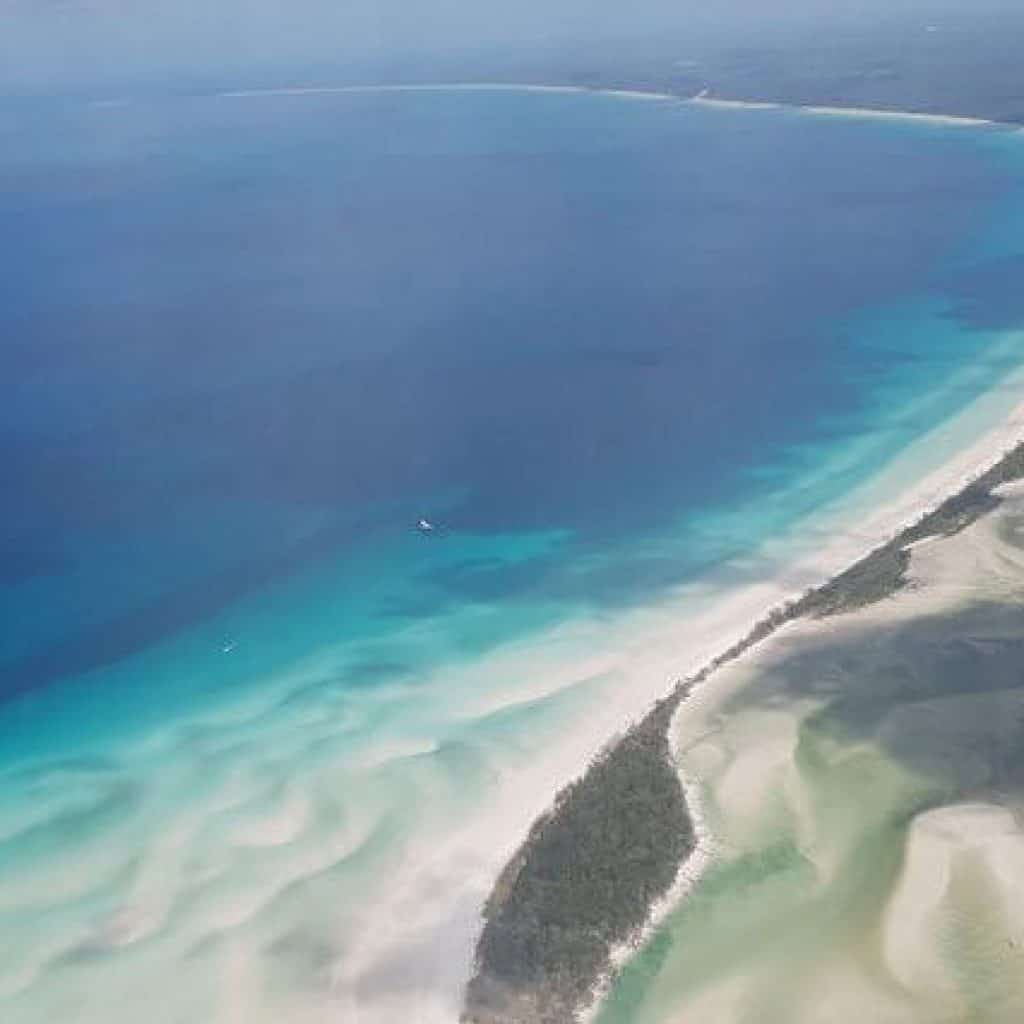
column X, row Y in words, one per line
column 581, row 890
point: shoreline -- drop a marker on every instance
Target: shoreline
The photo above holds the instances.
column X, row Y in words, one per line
column 943, row 502
column 874, row 113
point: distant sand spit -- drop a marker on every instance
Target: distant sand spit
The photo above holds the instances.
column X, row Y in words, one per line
column 713, row 103
column 903, row 115
column 873, row 113
column 326, row 90
column 703, row 99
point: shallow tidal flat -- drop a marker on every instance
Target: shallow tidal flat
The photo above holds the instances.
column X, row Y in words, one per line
column 862, row 781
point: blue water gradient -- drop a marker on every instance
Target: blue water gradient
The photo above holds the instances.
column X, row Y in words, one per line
column 264, row 745
column 249, row 342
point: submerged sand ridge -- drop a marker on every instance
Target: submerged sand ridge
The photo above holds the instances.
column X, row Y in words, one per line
column 863, row 779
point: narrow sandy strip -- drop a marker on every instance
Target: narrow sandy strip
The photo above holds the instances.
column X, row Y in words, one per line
column 706, row 100
column 702, row 99
column 903, row 115
column 632, row 94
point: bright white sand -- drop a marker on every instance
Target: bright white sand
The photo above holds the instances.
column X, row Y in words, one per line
column 636, row 94
column 327, row 90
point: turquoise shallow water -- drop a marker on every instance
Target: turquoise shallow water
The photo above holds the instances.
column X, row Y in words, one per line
column 608, row 347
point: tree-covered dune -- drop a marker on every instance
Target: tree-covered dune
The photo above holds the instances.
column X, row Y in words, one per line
column 583, row 881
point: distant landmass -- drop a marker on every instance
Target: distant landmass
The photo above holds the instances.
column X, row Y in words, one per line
column 964, row 65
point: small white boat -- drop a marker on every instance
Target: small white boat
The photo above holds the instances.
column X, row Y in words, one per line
column 425, row 526
column 228, row 647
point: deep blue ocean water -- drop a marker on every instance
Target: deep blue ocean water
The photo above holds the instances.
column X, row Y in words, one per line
column 606, row 346
column 244, row 338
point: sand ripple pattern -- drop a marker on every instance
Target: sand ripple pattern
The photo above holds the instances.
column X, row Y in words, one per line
column 269, row 861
